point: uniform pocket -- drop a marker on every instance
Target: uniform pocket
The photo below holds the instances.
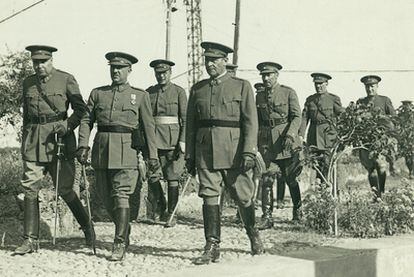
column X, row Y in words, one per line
column 131, row 112
column 281, row 108
column 232, row 105
column 172, row 108
column 174, row 133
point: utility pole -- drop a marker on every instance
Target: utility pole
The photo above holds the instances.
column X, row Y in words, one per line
column 168, row 30
column 236, row 33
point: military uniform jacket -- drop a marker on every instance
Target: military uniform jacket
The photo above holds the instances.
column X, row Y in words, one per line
column 225, row 98
column 381, row 103
column 118, row 105
column 38, row 141
column 280, row 105
column 170, row 100
column 321, row 111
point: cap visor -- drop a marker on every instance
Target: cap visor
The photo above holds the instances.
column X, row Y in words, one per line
column 213, row 55
column 40, row 57
column 118, row 63
column 267, row 71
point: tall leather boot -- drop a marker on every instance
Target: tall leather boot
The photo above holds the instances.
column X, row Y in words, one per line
column 267, row 206
column 280, row 192
column 249, row 220
column 173, row 193
column 382, row 177
column 212, row 226
column 30, row 227
column 121, row 234
column 373, row 182
column 157, row 199
column 82, row 217
column 296, row 200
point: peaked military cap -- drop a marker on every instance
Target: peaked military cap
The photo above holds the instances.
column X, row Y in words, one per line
column 215, row 50
column 407, row 102
column 231, row 66
column 268, row 67
column 41, row 52
column 161, row 65
column 320, row 77
column 259, row 86
column 370, row 79
column 120, row 58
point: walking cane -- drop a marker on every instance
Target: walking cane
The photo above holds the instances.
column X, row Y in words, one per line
column 179, row 200
column 88, row 204
column 59, row 156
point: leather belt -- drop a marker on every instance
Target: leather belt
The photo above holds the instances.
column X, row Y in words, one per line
column 114, row 129
column 166, row 120
column 43, row 119
column 207, row 123
column 273, row 122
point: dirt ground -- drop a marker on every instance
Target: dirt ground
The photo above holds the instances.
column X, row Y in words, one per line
column 154, row 249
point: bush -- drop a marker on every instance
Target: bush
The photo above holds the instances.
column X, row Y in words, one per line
column 11, row 171
column 358, row 214
column 318, row 208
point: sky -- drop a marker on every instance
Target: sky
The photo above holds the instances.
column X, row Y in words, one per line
column 346, row 39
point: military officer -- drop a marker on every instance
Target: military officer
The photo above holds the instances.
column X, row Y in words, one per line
column 279, row 121
column 169, row 107
column 377, row 167
column 221, row 142
column 119, row 110
column 231, row 69
column 46, row 98
column 321, row 110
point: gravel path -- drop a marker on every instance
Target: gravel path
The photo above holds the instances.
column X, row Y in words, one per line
column 153, row 249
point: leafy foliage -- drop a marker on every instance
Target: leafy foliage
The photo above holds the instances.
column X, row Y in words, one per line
column 358, row 214
column 405, row 127
column 15, row 67
column 365, row 126
column 318, row 208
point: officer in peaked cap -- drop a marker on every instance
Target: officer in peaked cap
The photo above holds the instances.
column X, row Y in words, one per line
column 169, row 107
column 231, row 69
column 46, row 98
column 279, row 121
column 320, row 112
column 119, row 110
column 260, row 87
column 376, row 168
column 221, row 143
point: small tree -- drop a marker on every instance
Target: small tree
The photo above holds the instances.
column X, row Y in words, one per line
column 359, row 127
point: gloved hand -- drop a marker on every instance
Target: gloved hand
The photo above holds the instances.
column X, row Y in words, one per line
column 288, row 142
column 61, row 128
column 82, row 155
column 248, row 162
column 190, row 165
column 153, row 165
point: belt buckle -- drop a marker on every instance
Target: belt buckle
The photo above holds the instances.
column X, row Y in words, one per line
column 42, row 119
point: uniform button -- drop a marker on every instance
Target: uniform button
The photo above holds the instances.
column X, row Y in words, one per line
column 115, row 99
column 113, row 109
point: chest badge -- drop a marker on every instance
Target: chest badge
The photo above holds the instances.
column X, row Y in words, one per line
column 133, row 99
